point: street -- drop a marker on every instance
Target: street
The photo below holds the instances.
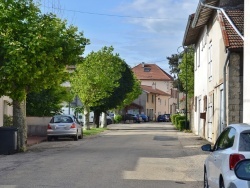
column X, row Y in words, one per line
column 145, row 155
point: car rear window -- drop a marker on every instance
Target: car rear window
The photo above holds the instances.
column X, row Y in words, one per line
column 244, row 144
column 61, row 119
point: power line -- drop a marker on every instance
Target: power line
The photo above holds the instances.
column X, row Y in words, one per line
column 102, row 14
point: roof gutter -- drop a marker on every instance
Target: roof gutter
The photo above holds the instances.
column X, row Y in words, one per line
column 201, row 3
column 225, row 89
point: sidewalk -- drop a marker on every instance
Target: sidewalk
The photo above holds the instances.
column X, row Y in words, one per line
column 32, row 140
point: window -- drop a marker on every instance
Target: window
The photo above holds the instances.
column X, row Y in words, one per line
column 198, row 55
column 210, row 70
column 204, row 39
column 196, row 60
column 205, row 103
column 225, row 140
column 147, row 69
column 195, row 104
column 244, row 144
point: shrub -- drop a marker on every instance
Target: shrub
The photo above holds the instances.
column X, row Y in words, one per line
column 117, row 118
column 173, row 118
column 178, row 118
column 182, row 124
column 7, row 120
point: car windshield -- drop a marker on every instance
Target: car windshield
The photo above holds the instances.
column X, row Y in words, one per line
column 61, row 119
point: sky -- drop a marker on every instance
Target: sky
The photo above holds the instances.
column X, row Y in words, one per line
column 139, row 30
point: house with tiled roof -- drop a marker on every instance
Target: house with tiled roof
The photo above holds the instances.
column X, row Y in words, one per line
column 157, row 87
column 216, row 32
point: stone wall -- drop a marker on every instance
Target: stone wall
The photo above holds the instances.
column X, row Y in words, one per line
column 235, row 89
column 37, row 126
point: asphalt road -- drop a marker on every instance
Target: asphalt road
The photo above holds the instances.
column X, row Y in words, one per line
column 145, row 155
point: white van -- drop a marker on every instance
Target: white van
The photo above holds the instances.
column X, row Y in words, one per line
column 80, row 116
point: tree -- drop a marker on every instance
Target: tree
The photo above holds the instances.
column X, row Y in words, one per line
column 186, row 74
column 98, row 78
column 174, row 62
column 128, row 86
column 34, row 51
column 47, row 102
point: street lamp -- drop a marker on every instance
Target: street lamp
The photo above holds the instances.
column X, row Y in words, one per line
column 185, row 50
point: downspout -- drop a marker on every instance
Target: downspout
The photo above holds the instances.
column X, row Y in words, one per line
column 225, row 89
column 224, row 13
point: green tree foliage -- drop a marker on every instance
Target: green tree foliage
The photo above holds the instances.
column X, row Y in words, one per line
column 48, row 102
column 186, row 74
column 132, row 95
column 174, row 61
column 34, row 50
column 177, row 65
column 127, row 91
column 102, row 80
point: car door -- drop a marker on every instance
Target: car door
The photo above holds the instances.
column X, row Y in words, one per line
column 219, row 157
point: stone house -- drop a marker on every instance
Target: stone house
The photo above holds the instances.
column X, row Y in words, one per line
column 218, row 66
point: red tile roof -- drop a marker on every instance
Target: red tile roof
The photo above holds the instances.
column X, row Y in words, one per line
column 151, row 72
column 231, row 38
column 149, row 89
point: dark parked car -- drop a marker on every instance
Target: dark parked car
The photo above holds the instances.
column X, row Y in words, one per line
column 144, row 117
column 109, row 120
column 161, row 118
column 168, row 117
column 135, row 118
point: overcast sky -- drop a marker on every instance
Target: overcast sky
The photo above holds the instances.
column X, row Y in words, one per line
column 139, row 30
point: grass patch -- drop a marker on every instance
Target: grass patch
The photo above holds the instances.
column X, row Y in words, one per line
column 187, row 131
column 93, row 131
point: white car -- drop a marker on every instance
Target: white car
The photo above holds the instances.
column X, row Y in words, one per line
column 64, row 126
column 232, row 145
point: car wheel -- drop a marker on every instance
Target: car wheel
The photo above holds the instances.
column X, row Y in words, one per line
column 76, row 137
column 222, row 183
column 205, row 179
column 49, row 138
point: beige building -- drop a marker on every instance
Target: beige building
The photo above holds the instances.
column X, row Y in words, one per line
column 157, row 86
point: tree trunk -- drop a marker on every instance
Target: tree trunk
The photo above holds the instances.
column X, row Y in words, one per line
column 19, row 121
column 86, row 114
column 104, row 120
column 97, row 118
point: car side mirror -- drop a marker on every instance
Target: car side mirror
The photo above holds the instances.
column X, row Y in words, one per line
column 206, row 147
column 242, row 169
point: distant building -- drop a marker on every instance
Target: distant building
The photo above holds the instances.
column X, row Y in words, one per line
column 158, row 92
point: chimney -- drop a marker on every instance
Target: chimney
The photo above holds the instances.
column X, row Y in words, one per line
column 154, row 85
column 142, row 64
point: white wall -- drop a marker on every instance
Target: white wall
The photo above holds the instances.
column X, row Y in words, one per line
column 5, row 108
column 161, row 85
column 200, row 80
column 162, row 105
column 209, row 62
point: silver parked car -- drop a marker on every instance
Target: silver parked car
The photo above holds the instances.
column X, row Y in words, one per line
column 232, row 146
column 64, row 126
